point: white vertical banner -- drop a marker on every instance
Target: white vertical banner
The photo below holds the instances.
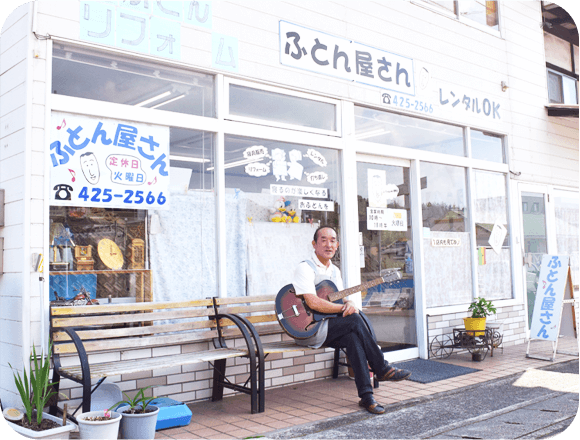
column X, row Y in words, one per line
column 549, row 297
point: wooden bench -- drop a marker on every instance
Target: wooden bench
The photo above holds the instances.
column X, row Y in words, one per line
column 260, row 313
column 95, row 331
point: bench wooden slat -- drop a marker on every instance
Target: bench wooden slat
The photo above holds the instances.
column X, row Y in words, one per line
column 136, row 342
column 112, row 319
column 268, row 329
column 283, row 347
column 61, row 336
column 130, row 307
column 248, row 308
column 244, row 299
column 138, row 365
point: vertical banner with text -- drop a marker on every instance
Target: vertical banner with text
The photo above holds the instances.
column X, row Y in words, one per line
column 549, row 298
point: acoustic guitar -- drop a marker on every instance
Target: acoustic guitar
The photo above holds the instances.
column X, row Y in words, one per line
column 300, row 321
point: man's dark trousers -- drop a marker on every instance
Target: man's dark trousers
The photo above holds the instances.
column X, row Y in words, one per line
column 362, row 350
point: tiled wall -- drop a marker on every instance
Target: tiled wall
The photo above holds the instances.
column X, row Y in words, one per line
column 194, row 382
column 512, row 322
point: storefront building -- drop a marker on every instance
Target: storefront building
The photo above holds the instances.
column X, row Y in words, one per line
column 161, row 151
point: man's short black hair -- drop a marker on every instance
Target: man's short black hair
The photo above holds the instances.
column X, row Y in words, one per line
column 323, row 227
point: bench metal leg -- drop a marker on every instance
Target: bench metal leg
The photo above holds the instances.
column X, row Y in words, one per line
column 56, row 380
column 336, row 364
column 219, row 373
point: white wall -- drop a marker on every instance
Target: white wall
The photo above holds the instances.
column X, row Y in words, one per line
column 544, row 149
column 14, row 46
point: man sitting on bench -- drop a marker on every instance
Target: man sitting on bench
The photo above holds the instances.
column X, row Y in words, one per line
column 348, row 330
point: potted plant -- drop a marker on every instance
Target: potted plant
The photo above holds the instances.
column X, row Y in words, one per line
column 139, row 418
column 35, row 392
column 99, row 424
column 480, row 308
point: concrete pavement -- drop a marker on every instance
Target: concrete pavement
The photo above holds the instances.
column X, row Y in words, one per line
column 536, row 403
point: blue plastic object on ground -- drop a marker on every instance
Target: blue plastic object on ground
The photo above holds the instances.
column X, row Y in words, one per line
column 172, row 413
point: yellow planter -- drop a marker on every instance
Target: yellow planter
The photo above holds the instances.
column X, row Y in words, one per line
column 475, row 324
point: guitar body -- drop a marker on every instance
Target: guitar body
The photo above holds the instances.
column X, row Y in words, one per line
column 300, row 321
column 295, row 317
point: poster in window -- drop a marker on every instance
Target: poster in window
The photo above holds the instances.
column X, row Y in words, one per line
column 107, row 163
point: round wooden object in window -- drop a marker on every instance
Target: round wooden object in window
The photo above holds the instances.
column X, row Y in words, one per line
column 110, row 254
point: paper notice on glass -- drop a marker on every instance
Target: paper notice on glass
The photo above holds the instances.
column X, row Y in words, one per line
column 497, row 237
column 379, row 191
column 386, row 219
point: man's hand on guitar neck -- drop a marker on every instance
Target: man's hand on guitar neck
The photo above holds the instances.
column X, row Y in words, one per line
column 324, row 306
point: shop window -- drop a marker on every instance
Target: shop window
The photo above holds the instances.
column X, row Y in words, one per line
column 105, row 76
column 487, row 146
column 492, row 234
column 484, row 13
column 568, row 230
column 277, row 193
column 562, row 89
column 125, row 255
column 446, row 235
column 253, row 104
column 183, row 238
column 404, row 131
column 98, row 254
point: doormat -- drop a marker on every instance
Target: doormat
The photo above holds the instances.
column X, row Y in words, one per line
column 424, row 371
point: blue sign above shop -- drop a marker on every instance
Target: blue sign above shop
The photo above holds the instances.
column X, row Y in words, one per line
column 150, row 27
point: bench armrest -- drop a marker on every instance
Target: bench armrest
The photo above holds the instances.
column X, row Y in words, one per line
column 248, row 332
column 85, row 367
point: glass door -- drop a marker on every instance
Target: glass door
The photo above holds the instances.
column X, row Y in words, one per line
column 535, row 242
column 549, row 226
column 386, row 242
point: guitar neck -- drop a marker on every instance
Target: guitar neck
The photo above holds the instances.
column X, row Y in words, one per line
column 344, row 293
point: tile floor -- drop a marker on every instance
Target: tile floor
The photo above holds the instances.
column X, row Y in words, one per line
column 307, row 402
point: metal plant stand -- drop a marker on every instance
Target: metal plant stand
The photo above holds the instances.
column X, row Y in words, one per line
column 481, row 341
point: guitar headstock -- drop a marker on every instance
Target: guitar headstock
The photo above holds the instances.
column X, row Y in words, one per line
column 391, row 275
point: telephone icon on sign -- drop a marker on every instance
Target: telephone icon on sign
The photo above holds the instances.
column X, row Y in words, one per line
column 63, row 192
column 386, row 98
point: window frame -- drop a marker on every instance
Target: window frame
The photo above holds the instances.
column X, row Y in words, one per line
column 227, row 81
column 457, row 16
column 562, row 75
column 143, row 59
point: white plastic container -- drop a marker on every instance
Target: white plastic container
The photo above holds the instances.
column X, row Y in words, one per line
column 138, row 426
column 107, row 429
column 61, row 432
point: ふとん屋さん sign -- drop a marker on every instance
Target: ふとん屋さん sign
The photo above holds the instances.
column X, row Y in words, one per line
column 106, row 163
column 549, row 298
column 327, row 54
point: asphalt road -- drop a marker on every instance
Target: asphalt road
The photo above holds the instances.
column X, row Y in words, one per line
column 535, row 404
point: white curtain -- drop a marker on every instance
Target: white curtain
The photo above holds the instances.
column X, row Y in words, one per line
column 183, row 253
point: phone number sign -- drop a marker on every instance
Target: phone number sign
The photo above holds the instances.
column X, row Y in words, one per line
column 106, row 163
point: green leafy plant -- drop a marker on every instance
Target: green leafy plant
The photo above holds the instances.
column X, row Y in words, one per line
column 35, row 391
column 137, row 404
column 480, row 308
